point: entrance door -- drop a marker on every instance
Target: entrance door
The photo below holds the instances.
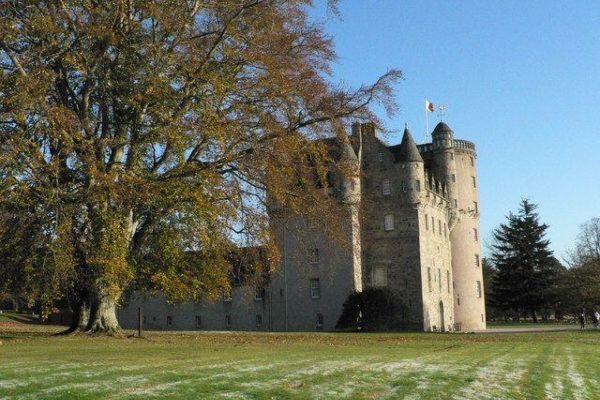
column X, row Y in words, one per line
column 442, row 324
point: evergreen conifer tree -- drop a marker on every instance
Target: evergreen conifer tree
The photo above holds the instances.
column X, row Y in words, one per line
column 524, row 263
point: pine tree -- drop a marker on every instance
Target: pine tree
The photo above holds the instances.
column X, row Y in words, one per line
column 524, row 263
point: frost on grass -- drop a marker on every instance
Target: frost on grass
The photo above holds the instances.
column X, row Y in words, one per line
column 580, row 391
column 494, row 379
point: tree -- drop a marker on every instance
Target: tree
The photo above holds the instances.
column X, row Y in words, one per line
column 134, row 131
column 581, row 282
column 524, row 263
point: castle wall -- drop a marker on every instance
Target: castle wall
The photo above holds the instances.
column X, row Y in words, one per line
column 466, row 243
column 337, row 269
column 436, row 263
column 395, row 251
column 239, row 312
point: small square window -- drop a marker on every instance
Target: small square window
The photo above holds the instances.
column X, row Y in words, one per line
column 388, row 222
column 379, row 276
column 315, row 288
column 259, row 294
column 313, row 256
column 386, row 187
column 453, row 177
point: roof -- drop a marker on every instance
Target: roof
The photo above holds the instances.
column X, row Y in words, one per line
column 407, row 150
column 442, row 127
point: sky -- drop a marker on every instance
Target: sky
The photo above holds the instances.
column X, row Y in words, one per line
column 520, row 79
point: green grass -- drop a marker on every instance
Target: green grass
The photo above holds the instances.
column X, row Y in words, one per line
column 557, row 365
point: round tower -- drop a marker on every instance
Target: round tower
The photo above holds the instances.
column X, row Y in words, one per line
column 455, row 163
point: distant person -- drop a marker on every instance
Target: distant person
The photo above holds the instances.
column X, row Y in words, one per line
column 594, row 320
column 582, row 320
column 597, row 315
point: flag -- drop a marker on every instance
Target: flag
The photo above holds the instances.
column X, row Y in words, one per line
column 429, row 106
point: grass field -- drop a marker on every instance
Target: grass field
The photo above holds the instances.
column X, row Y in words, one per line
column 558, row 365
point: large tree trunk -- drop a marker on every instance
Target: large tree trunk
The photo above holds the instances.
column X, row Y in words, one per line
column 103, row 314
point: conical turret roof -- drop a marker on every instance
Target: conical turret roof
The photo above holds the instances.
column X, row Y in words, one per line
column 408, row 149
column 442, row 127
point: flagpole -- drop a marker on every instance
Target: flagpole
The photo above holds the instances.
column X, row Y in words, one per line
column 426, row 122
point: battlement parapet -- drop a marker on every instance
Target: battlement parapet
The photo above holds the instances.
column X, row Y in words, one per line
column 464, row 145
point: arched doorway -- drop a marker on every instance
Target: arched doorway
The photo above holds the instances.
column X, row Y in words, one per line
column 442, row 324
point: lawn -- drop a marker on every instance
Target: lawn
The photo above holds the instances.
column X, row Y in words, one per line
column 557, row 365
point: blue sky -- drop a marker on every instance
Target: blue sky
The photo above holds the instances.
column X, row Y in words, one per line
column 521, row 79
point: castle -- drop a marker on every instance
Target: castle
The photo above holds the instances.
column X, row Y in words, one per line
column 411, row 225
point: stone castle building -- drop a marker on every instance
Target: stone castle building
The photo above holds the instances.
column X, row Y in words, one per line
column 410, row 224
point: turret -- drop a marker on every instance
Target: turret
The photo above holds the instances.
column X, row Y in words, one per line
column 412, row 166
column 444, row 163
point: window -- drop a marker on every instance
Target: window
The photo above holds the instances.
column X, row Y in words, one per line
column 472, row 162
column 453, row 177
column 479, row 289
column 475, row 235
column 315, row 288
column 455, row 203
column 379, row 276
column 481, row 317
column 403, row 185
column 258, row 320
column 474, row 181
column 388, row 222
column 445, row 230
column 169, row 321
column 313, row 256
column 448, row 280
column 439, row 279
column 228, row 321
column 475, row 207
column 380, row 156
column 429, row 278
column 386, row 188
column 418, row 185
column 458, row 300
column 477, row 260
column 320, row 321
column 426, row 222
column 259, row 294
column 440, row 226
column 433, row 224
column 198, row 321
